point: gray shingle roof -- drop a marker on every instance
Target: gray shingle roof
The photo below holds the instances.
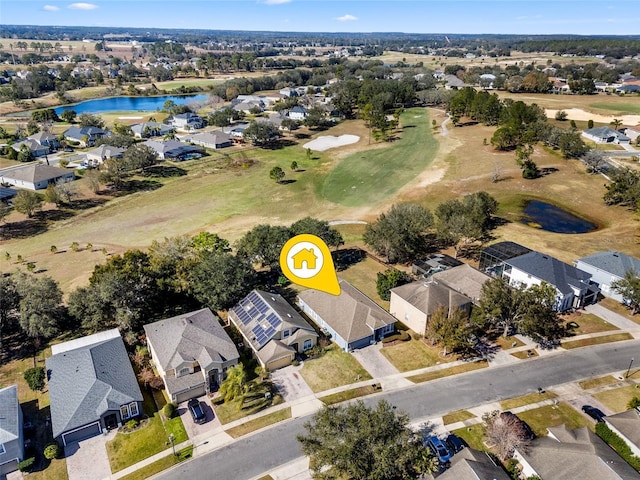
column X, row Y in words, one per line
column 627, row 423
column 471, row 464
column 606, row 132
column 192, row 336
column 463, row 279
column 551, row 270
column 351, row 314
column 429, row 296
column 615, row 263
column 87, row 381
column 38, row 173
column 9, row 414
column 79, row 132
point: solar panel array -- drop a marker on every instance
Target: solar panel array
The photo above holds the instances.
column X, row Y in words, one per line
column 254, row 309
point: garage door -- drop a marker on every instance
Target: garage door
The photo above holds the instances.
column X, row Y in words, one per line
column 193, row 393
column 8, row 467
column 81, row 434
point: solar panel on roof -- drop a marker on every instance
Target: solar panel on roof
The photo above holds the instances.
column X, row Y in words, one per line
column 262, row 307
column 274, row 320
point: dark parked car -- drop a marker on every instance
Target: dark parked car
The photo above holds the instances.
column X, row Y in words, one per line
column 195, row 408
column 454, row 443
column 439, row 449
column 594, row 413
column 527, row 429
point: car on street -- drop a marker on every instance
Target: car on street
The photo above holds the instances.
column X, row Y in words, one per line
column 594, row 413
column 454, row 443
column 197, row 413
column 439, row 449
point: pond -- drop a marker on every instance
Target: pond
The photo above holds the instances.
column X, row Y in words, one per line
column 124, row 104
column 554, row 219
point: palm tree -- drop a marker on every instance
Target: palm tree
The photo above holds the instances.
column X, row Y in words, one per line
column 616, row 123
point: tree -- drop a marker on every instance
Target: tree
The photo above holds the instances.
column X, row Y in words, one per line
column 40, row 306
column 139, row 156
column 571, row 144
column 590, row 124
column 294, row 166
column 90, row 120
column 401, row 233
column 93, row 179
column 500, row 305
column 523, row 159
column 5, row 210
column 51, row 196
column 561, row 115
column 262, row 244
column 595, row 160
column 616, row 123
column 234, row 387
column 319, row 228
column 277, row 174
column 358, row 442
column 539, row 320
column 9, row 301
column 390, row 278
column 261, row 133
column 209, row 242
column 25, row 154
column 220, row 280
column 629, row 287
column 506, row 432
column 315, row 117
column 27, row 202
column 633, row 403
column 35, row 378
column 451, row 329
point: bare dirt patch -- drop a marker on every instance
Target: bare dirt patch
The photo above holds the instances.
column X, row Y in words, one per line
column 582, row 115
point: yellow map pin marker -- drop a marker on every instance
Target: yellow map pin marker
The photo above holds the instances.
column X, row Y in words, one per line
column 306, row 260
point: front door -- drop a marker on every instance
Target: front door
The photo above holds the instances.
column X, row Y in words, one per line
column 111, row 421
column 213, row 381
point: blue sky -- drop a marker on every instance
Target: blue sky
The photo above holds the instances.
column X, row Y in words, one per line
column 585, row 17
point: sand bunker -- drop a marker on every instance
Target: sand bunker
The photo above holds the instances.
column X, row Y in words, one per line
column 326, row 142
column 130, row 118
column 579, row 114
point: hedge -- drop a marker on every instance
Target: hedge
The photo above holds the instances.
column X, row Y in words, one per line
column 618, row 444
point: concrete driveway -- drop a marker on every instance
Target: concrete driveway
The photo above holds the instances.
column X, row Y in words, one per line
column 290, row 383
column 374, row 362
column 88, row 460
column 210, row 426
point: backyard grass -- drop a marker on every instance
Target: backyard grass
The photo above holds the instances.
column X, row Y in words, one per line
column 364, row 275
column 333, row 369
column 617, row 399
column 445, row 372
column 473, row 435
column 127, row 449
column 524, row 354
column 457, row 416
column 589, row 323
column 366, row 178
column 160, row 465
column 260, row 422
column 616, row 337
column 508, row 342
column 597, row 382
column 526, row 400
column 348, row 395
column 539, row 419
column 414, row 354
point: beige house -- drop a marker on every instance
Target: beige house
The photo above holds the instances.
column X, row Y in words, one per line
column 192, row 353
column 272, row 328
column 463, row 279
column 414, row 303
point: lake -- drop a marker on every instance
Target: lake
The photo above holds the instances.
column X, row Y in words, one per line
column 554, row 219
column 124, row 104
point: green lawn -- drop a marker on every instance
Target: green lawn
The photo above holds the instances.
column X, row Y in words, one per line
column 445, row 372
column 457, row 416
column 589, row 323
column 414, row 354
column 526, row 400
column 473, row 435
column 616, row 337
column 597, row 382
column 508, row 342
column 368, row 177
column 628, row 107
column 364, row 275
column 253, row 402
column 617, row 399
column 127, row 449
column 260, row 422
column 333, row 369
column 539, row 419
column 160, row 465
column 348, row 395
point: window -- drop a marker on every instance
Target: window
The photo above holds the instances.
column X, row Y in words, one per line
column 286, row 333
column 184, row 371
column 308, row 343
column 124, row 412
column 2, row 450
column 133, row 409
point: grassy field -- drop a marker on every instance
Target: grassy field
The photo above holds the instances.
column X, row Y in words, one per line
column 414, row 354
column 457, row 416
column 260, row 422
column 589, row 323
column 616, row 337
column 160, row 465
column 333, row 369
column 617, row 398
column 526, row 400
column 445, row 372
column 597, row 382
column 366, row 178
column 473, row 435
column 363, row 275
column 619, row 107
column 539, row 419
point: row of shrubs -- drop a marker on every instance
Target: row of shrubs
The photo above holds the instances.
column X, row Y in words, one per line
column 618, row 444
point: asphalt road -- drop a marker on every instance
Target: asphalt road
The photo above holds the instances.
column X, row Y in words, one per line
column 261, row 452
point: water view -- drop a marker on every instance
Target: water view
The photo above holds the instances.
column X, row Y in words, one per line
column 123, row 104
column 554, row 219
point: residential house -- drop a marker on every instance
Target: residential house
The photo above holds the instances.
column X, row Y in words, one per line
column 272, row 328
column 288, row 92
column 151, row 129
column 415, row 303
column 632, row 132
column 6, row 194
column 85, row 136
column 574, row 288
column 436, row 262
column 173, row 150
column 102, row 153
column 463, row 279
column 606, row 268
column 46, row 139
column 627, row 426
column 36, row 177
column 92, row 386
column 298, row 113
column 486, row 80
column 352, row 319
column 214, row 140
column 186, row 121
column 236, row 131
column 470, row 464
column 566, row 454
column 249, row 106
column 11, row 431
column 493, row 257
column 192, row 353
column 452, row 82
column 605, row 135
column 33, row 146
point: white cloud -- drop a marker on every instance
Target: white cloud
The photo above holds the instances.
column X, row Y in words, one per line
column 51, row 8
column 82, row 6
column 275, row 2
column 347, row 18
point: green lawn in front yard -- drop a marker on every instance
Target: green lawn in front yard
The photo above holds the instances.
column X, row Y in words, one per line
column 508, row 342
column 597, row 382
column 255, row 401
column 260, row 422
column 160, row 465
column 539, row 419
column 585, row 342
column 526, row 400
column 368, row 177
column 348, row 395
column 333, row 369
column 524, row 354
column 445, row 372
column 473, row 435
column 589, row 323
column 457, row 416
column 617, row 399
column 127, row 449
column 415, row 354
